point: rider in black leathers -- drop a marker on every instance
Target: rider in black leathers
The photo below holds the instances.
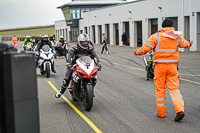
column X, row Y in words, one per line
column 37, row 39
column 43, row 42
column 82, row 48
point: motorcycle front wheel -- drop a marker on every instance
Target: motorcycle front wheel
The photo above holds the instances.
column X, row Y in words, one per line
column 47, row 70
column 88, row 97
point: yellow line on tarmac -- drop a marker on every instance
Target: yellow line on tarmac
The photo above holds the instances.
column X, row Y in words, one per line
column 190, row 81
column 75, row 109
column 144, row 70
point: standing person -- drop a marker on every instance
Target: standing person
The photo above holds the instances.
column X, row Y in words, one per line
column 166, row 56
column 14, row 40
column 124, row 38
column 104, row 44
column 82, row 48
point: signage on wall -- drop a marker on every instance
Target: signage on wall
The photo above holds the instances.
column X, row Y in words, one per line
column 192, row 13
column 67, row 14
column 69, row 23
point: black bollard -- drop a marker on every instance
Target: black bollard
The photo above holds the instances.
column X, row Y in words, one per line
column 18, row 97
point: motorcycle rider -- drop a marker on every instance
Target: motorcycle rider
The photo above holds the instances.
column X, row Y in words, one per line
column 26, row 41
column 43, row 42
column 37, row 39
column 64, row 44
column 62, row 40
column 149, row 66
column 82, row 48
column 51, row 38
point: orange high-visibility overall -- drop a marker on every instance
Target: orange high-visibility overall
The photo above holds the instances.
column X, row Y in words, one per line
column 14, row 40
column 165, row 57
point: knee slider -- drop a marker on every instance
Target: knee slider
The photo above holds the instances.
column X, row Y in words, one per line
column 64, row 82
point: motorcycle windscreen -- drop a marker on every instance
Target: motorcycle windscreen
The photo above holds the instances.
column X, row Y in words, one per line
column 85, row 60
column 29, row 46
column 59, row 44
column 46, row 48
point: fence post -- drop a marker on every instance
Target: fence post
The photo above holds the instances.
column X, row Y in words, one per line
column 1, row 40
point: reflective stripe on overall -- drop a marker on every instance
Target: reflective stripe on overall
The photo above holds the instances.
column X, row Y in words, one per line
column 157, row 49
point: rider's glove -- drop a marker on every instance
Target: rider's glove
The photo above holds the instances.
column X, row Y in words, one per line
column 135, row 52
column 99, row 66
column 69, row 66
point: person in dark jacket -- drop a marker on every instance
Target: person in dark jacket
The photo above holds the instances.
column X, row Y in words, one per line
column 37, row 39
column 124, row 38
column 82, row 48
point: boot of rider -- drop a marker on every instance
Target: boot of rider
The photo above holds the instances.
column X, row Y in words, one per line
column 53, row 69
column 63, row 88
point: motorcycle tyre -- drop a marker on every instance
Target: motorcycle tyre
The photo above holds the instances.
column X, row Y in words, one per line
column 151, row 75
column 47, row 70
column 88, row 97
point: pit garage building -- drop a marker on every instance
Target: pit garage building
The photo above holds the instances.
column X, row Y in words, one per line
column 142, row 18
column 73, row 12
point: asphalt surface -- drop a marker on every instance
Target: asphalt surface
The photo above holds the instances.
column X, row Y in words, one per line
column 124, row 102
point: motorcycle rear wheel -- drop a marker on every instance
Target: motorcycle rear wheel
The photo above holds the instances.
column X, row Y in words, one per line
column 88, row 97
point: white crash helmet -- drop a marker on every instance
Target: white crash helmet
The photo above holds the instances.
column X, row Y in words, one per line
column 45, row 36
column 61, row 37
column 83, row 38
column 28, row 37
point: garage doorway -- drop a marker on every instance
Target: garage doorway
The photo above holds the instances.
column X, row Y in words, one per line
column 198, row 31
column 107, row 32
column 116, row 34
column 138, row 33
column 126, row 30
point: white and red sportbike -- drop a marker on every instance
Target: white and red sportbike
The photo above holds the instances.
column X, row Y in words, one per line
column 83, row 81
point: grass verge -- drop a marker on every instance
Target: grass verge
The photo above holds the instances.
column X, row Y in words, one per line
column 27, row 30
column 39, row 33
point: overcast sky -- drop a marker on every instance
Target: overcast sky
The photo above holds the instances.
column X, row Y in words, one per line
column 24, row 13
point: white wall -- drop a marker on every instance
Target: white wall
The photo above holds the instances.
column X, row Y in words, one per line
column 60, row 25
column 142, row 11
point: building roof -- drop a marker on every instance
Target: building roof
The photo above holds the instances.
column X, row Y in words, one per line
column 91, row 3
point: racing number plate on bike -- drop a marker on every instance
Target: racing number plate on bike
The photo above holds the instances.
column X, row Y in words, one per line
column 75, row 77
